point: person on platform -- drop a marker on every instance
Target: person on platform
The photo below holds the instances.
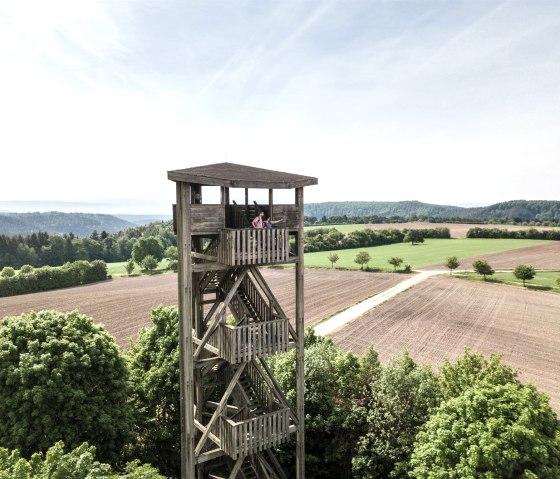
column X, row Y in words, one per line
column 258, row 222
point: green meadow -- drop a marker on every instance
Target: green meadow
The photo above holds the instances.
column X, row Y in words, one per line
column 118, row 269
column 432, row 251
column 543, row 279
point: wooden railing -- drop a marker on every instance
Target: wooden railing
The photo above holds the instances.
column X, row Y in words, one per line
column 255, row 434
column 253, row 246
column 242, row 343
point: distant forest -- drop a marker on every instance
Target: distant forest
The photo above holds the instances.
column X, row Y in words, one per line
column 55, row 222
column 514, row 211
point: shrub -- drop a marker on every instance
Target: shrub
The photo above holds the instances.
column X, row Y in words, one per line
column 407, row 268
column 149, row 263
column 61, row 378
column 129, row 266
column 7, row 272
column 26, row 269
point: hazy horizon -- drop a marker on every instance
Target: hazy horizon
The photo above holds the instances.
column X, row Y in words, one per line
column 136, row 207
column 448, row 102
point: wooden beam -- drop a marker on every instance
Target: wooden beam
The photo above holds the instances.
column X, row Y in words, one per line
column 185, row 331
column 210, row 455
column 220, row 408
column 300, row 379
column 270, row 202
column 236, row 467
column 216, row 320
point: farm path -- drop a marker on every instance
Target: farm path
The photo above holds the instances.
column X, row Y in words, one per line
column 354, row 312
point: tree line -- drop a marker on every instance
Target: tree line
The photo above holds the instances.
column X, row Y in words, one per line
column 40, row 249
column 530, row 233
column 471, row 418
column 327, row 239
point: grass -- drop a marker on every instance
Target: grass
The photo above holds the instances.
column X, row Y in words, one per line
column 433, row 251
column 545, row 280
column 118, row 269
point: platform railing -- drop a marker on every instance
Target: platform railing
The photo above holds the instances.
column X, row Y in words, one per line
column 240, row 247
column 241, row 438
column 245, row 342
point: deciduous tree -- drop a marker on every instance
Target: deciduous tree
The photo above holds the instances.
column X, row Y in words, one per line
column 144, row 246
column 483, row 268
column 362, row 258
column 413, row 237
column 149, row 263
column 395, row 262
column 62, row 377
column 452, row 263
column 333, row 258
column 129, row 266
column 503, row 431
column 524, row 272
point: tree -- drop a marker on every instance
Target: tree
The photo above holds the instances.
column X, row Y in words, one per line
column 524, row 272
column 472, row 369
column 80, row 463
column 502, row 431
column 483, row 268
column 149, row 263
column 62, row 377
column 395, row 262
column 452, row 263
column 333, row 258
column 7, row 272
column 154, row 375
column 413, row 237
column 362, row 258
column 401, row 400
column 172, row 256
column 149, row 245
column 332, row 379
column 129, row 266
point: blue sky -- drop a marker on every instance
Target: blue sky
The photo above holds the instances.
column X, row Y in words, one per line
column 447, row 102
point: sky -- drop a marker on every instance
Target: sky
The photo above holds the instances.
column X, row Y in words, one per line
column 448, row 102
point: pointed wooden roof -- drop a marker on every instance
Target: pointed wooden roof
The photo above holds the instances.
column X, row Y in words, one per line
column 240, row 176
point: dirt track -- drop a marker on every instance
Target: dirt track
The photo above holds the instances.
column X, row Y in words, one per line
column 439, row 317
column 123, row 304
column 544, row 256
column 456, row 230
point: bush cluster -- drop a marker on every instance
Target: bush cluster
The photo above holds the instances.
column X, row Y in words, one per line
column 47, row 278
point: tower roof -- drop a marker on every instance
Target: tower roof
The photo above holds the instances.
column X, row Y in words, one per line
column 240, row 176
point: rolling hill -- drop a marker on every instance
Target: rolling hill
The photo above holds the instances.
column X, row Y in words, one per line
column 521, row 210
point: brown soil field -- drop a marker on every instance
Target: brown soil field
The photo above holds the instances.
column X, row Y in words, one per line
column 544, row 256
column 438, row 318
column 123, row 304
column 456, row 230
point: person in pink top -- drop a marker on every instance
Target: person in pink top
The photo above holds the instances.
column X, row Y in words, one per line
column 258, row 222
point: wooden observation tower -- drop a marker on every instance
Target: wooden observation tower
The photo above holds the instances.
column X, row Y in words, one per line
column 233, row 411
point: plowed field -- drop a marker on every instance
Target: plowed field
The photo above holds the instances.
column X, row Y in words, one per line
column 544, row 256
column 456, row 230
column 123, row 304
column 439, row 317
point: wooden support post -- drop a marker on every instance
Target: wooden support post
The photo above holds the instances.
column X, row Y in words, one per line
column 300, row 380
column 270, row 202
column 185, row 330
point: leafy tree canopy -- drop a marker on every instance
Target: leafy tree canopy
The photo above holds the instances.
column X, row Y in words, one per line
column 491, row 431
column 61, row 378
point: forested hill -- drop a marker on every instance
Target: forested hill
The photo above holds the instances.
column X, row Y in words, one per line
column 55, row 222
column 522, row 210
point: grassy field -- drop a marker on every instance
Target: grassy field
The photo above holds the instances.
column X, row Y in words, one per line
column 118, row 269
column 433, row 251
column 543, row 280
